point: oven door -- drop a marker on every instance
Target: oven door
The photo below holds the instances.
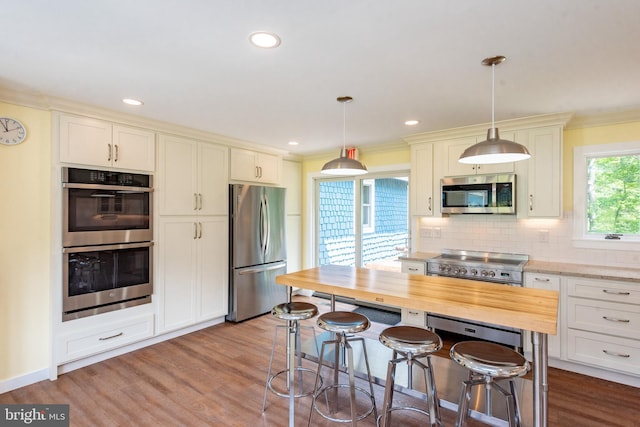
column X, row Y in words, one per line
column 96, row 214
column 103, row 278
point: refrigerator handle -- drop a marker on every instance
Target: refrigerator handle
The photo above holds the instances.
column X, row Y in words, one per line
column 268, row 225
column 263, row 227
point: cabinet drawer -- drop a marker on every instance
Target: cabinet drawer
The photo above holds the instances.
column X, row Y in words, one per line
column 414, row 317
column 541, row 281
column 414, row 267
column 605, row 351
column 604, row 290
column 605, row 317
column 85, row 343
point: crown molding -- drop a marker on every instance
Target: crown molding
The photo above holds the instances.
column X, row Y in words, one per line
column 373, row 148
column 580, row 121
column 557, row 119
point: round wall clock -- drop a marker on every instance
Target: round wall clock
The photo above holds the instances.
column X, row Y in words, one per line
column 12, row 132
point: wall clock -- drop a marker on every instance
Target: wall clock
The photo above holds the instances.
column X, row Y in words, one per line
column 12, row 132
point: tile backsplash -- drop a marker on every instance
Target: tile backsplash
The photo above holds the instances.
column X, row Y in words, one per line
column 541, row 239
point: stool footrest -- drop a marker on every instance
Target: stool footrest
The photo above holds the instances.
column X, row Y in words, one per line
column 327, row 414
column 301, row 392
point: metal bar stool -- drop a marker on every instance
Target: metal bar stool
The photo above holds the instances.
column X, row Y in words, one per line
column 411, row 343
column 292, row 312
column 488, row 363
column 342, row 323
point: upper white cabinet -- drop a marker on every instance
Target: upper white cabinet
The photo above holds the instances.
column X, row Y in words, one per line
column 453, row 150
column 247, row 165
column 543, row 172
column 423, row 199
column 193, row 177
column 292, row 179
column 99, row 143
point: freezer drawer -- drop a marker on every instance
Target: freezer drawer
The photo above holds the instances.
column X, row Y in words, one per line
column 254, row 291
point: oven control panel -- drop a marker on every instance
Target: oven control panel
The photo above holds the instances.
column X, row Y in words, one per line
column 482, row 272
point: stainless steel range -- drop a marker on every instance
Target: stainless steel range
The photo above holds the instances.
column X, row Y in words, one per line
column 483, row 266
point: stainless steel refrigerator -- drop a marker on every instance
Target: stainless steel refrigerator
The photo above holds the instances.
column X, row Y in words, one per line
column 257, row 250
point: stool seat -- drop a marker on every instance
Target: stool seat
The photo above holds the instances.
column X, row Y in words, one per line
column 410, row 339
column 294, row 311
column 486, row 358
column 346, row 322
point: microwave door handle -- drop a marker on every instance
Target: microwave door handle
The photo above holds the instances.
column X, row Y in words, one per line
column 119, row 188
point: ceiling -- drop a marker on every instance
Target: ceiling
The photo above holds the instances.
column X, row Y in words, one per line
column 191, row 63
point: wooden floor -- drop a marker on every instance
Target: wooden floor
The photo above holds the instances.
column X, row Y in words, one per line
column 216, row 377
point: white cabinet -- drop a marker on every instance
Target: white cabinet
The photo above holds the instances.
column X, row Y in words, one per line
column 542, row 173
column 192, row 177
column 552, row 283
column 99, row 143
column 454, row 148
column 412, row 316
column 292, row 178
column 192, row 282
column 253, row 166
column 423, row 199
column 603, row 320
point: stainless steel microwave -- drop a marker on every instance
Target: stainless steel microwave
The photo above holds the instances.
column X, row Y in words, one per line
column 479, row 194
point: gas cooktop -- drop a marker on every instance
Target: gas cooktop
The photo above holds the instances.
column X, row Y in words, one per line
column 487, row 266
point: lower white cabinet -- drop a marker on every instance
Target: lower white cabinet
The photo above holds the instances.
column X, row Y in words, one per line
column 605, row 351
column 411, row 316
column 552, row 283
column 96, row 334
column 192, row 282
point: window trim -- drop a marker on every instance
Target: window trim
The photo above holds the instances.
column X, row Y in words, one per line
column 371, row 226
column 580, row 155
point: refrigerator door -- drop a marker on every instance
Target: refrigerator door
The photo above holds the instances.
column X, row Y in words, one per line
column 255, row 291
column 258, row 218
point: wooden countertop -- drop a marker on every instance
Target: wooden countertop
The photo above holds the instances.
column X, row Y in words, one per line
column 523, row 308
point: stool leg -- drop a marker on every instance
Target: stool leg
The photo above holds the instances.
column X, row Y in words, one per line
column 352, row 383
column 387, row 403
column 487, row 396
column 366, row 362
column 432, row 395
column 291, row 352
column 315, row 387
column 266, row 386
column 463, row 404
column 512, row 388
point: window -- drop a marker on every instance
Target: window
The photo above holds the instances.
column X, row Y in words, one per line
column 368, row 204
column 607, row 194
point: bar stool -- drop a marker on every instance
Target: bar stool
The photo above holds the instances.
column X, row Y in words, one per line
column 342, row 323
column 292, row 312
column 488, row 363
column 411, row 343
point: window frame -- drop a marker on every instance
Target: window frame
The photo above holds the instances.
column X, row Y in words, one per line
column 371, row 226
column 581, row 155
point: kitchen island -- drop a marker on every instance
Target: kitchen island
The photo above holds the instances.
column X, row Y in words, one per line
column 535, row 310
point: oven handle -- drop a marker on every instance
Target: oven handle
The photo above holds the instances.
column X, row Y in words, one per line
column 121, row 188
column 106, row 247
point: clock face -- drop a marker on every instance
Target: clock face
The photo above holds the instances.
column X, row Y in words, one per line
column 12, row 132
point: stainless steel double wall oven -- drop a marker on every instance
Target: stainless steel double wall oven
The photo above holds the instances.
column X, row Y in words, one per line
column 107, row 241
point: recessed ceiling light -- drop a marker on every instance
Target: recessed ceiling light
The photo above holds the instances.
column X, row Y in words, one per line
column 131, row 101
column 293, row 142
column 264, row 39
column 411, row 122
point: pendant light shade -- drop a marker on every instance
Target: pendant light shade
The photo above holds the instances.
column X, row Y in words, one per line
column 494, row 149
column 344, row 165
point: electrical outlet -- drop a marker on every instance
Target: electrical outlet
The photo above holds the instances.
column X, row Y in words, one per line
column 436, row 233
column 543, row 236
column 425, row 232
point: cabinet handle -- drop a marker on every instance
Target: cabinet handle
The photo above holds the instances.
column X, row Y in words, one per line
column 195, row 201
column 607, row 291
column 109, row 150
column 413, row 313
column 195, row 230
column 200, row 230
column 530, row 202
column 111, row 337
column 115, row 159
column 614, row 353
column 614, row 319
column 412, row 269
column 429, row 202
column 260, row 171
column 199, row 201
column 540, row 279
column 257, row 171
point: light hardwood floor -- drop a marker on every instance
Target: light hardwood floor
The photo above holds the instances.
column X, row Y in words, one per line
column 216, row 377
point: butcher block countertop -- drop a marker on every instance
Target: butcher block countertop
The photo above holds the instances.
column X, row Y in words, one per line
column 523, row 308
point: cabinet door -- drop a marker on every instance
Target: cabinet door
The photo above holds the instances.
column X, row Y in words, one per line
column 456, row 147
column 176, row 279
column 243, row 165
column 422, row 195
column 213, row 267
column 544, row 178
column 213, row 188
column 133, row 148
column 292, row 180
column 178, row 177
column 85, row 141
column 269, row 168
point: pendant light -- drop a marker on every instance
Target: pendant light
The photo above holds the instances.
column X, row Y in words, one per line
column 494, row 149
column 344, row 165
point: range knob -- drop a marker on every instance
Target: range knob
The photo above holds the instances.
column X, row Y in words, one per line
column 456, row 271
column 484, row 273
column 441, row 267
column 492, row 274
column 474, row 272
column 462, row 271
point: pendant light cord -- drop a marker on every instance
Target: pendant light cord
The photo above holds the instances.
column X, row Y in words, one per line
column 493, row 94
column 344, row 126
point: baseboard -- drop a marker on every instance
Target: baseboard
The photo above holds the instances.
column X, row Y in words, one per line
column 24, row 380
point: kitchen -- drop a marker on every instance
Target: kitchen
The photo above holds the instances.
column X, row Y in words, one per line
column 27, row 330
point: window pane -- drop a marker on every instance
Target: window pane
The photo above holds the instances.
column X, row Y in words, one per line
column 336, row 234
column 613, row 195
